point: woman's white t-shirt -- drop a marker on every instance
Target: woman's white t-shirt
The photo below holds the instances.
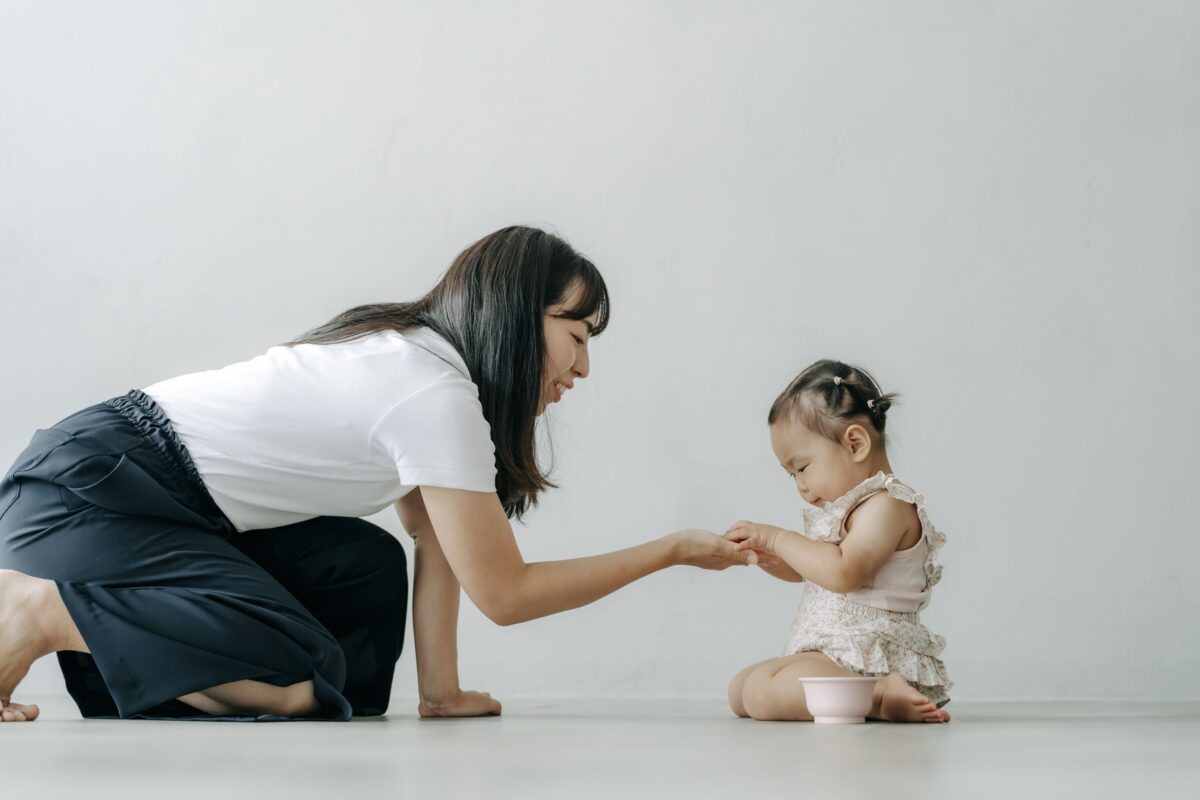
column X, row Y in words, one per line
column 332, row 430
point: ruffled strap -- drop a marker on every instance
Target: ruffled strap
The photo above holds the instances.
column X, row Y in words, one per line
column 846, row 503
column 820, row 527
column 934, row 539
column 825, row 524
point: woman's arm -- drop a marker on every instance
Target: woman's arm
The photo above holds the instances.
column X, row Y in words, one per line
column 480, row 548
column 435, row 622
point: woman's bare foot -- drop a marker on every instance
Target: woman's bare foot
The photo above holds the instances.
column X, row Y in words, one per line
column 896, row 701
column 23, row 640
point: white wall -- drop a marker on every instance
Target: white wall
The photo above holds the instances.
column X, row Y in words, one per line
column 993, row 206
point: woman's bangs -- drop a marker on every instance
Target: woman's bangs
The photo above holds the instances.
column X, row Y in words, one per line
column 592, row 300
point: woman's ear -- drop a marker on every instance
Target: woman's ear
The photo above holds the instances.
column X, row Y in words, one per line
column 858, row 442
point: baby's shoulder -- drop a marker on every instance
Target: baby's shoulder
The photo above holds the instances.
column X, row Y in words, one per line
column 883, row 512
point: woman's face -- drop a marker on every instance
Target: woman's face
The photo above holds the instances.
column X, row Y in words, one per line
column 566, row 350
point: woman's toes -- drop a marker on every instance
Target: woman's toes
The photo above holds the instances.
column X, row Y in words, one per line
column 16, row 712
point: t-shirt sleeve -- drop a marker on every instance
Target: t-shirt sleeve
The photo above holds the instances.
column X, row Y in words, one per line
column 439, row 437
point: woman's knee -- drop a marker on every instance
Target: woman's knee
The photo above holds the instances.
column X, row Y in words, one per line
column 391, row 575
column 393, row 558
column 371, row 575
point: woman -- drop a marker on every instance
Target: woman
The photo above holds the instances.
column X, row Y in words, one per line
column 194, row 549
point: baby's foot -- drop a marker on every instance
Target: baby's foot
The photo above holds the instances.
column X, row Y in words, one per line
column 21, row 643
column 897, row 701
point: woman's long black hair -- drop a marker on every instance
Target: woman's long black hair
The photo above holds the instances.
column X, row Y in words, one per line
column 490, row 306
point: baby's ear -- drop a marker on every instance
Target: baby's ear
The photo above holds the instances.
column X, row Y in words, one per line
column 858, row 441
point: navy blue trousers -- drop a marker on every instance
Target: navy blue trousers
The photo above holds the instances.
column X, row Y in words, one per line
column 171, row 599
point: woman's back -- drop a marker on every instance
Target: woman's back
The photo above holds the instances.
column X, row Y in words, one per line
column 334, row 429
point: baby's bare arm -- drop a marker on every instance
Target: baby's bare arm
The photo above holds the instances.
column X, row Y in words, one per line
column 873, row 534
column 780, row 569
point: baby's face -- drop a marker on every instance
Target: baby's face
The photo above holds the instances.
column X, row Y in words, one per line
column 823, row 470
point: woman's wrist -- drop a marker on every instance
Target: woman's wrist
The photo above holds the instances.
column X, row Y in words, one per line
column 674, row 550
column 669, row 545
column 699, row 548
column 440, row 686
column 441, row 696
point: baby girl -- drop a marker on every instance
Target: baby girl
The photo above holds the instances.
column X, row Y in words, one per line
column 867, row 557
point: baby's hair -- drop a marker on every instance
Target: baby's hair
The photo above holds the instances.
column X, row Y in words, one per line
column 829, row 396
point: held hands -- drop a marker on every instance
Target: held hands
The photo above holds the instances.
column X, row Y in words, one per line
column 707, row 550
column 462, row 704
column 755, row 539
column 704, row 549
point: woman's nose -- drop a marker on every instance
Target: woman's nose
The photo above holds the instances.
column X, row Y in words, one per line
column 582, row 363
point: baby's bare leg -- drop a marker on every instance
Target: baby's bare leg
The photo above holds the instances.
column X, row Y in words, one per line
column 773, row 691
column 738, row 683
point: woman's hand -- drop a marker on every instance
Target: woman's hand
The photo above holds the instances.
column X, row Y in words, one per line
column 704, row 549
column 754, row 537
column 463, row 704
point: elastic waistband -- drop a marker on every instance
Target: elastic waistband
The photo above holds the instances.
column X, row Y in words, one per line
column 147, row 416
column 861, row 610
column 858, row 609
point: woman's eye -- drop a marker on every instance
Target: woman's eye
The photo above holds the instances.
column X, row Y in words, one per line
column 577, row 339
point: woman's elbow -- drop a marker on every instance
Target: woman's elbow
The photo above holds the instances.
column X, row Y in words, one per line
column 503, row 617
column 501, row 611
column 503, row 600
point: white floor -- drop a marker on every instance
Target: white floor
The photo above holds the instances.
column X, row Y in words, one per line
column 624, row 749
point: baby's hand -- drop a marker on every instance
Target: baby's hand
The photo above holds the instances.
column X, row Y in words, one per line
column 753, row 536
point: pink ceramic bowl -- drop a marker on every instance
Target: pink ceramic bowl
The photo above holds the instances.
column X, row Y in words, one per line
column 839, row 700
